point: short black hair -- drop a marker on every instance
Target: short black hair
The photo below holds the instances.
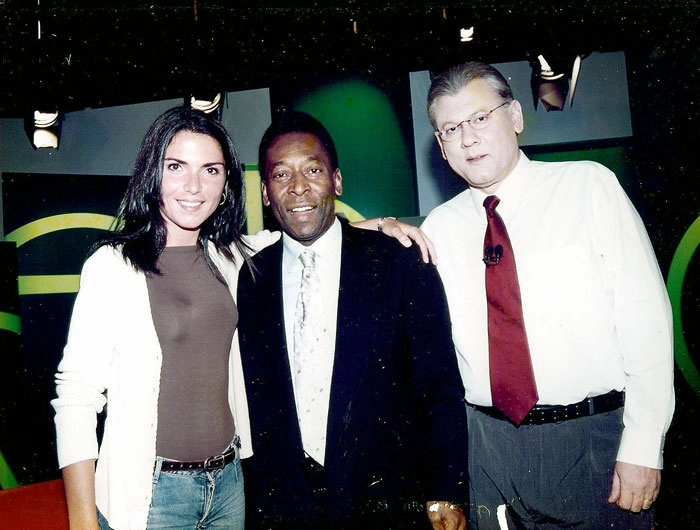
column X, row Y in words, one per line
column 291, row 121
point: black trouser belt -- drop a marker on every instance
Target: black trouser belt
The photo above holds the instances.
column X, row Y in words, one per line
column 211, row 463
column 541, row 414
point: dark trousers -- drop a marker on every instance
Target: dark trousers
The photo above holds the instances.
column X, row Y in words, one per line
column 546, row 477
column 321, row 508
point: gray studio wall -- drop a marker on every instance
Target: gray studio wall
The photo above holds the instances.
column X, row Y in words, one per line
column 104, row 141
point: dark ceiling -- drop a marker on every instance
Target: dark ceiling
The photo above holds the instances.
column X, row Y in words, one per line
column 94, row 54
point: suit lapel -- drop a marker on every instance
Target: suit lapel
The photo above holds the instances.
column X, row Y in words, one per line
column 354, row 334
column 273, row 337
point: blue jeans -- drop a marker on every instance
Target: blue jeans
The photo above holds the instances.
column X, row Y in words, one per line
column 194, row 500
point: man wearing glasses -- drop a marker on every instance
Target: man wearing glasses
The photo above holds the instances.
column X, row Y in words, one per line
column 592, row 322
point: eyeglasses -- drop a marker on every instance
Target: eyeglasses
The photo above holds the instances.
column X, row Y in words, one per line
column 477, row 122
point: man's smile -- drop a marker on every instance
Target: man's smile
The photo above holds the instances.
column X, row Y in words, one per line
column 301, row 209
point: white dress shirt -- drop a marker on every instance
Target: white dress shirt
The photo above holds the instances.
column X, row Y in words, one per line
column 595, row 305
column 327, row 249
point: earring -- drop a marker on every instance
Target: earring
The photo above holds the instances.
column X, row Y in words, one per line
column 223, row 197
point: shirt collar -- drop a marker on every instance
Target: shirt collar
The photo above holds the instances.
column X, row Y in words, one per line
column 510, row 189
column 325, row 247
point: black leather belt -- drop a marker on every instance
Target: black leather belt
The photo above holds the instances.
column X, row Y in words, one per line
column 541, row 414
column 211, row 463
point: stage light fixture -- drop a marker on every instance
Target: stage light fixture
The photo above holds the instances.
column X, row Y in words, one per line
column 466, row 34
column 551, row 81
column 206, row 105
column 44, row 129
column 575, row 71
column 548, row 86
column 202, row 91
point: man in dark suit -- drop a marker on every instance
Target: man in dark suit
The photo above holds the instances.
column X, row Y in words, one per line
column 387, row 441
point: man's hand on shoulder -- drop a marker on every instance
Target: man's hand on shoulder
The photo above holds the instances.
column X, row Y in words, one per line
column 445, row 515
column 407, row 234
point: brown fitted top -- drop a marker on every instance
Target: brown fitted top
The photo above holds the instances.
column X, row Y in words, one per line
column 195, row 318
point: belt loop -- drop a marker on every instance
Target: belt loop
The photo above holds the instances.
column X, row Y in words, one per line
column 156, row 469
column 591, row 407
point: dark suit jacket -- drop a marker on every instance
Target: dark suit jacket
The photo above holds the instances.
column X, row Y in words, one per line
column 396, row 435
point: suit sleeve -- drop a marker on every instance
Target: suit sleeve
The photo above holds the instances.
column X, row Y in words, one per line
column 437, row 384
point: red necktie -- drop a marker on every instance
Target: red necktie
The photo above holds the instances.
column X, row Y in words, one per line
column 513, row 388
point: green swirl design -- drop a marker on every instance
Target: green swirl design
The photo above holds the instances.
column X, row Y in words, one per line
column 676, row 275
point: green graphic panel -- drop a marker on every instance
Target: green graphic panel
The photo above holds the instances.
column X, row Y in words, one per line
column 7, row 479
column 676, row 275
column 10, row 329
column 378, row 176
column 10, row 322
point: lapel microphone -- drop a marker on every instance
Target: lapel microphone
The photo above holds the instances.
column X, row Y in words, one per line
column 492, row 255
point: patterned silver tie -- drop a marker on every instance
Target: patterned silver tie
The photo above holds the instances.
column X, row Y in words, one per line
column 311, row 350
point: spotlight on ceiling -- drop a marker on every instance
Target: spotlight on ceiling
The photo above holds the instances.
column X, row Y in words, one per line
column 553, row 77
column 206, row 105
column 466, row 34
column 548, row 86
column 575, row 71
column 44, row 129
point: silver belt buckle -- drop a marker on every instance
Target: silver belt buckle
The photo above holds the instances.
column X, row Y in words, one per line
column 214, row 462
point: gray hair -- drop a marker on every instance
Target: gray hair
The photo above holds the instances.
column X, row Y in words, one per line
column 455, row 78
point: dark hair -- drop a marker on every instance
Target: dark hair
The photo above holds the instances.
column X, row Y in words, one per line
column 290, row 121
column 454, row 79
column 140, row 233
